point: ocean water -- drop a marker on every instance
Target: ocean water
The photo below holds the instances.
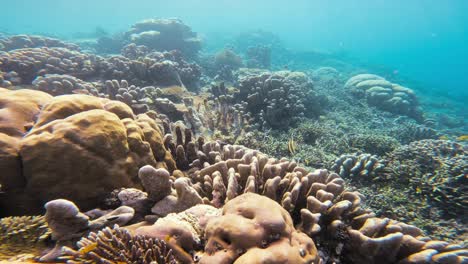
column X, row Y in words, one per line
column 273, row 79
column 424, row 41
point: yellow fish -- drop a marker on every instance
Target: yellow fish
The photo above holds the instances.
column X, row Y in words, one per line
column 444, row 137
column 88, row 248
column 292, row 145
column 462, row 138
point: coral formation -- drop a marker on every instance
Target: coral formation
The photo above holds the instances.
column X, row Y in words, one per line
column 355, row 166
column 31, row 41
column 277, row 99
column 132, row 95
column 28, row 63
column 117, row 245
column 56, row 84
column 22, row 235
column 255, row 229
column 437, row 169
column 165, row 35
column 384, row 94
column 104, row 142
column 259, row 57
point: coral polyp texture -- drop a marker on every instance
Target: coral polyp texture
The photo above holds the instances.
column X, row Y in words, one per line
column 50, row 142
column 384, row 95
column 117, row 245
column 23, row 235
column 277, row 99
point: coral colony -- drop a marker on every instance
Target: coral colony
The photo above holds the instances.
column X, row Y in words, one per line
column 143, row 148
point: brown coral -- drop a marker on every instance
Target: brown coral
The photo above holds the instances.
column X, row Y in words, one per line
column 117, row 245
column 90, row 145
column 22, row 235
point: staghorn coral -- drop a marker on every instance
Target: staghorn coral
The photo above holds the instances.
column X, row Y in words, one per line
column 57, row 84
column 28, row 63
column 384, row 94
column 31, row 41
column 355, row 166
column 22, row 235
column 277, row 99
column 117, row 245
column 105, row 143
column 165, row 35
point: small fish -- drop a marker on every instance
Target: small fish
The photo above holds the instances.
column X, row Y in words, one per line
column 418, row 190
column 167, row 238
column 462, row 138
column 444, row 137
column 292, row 145
column 88, row 248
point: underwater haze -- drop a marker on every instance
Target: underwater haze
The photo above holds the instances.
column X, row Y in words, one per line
column 234, row 131
column 422, row 40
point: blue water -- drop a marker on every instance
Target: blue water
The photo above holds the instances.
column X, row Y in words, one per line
column 422, row 41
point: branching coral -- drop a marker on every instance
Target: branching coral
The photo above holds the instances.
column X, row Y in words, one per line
column 24, row 234
column 277, row 99
column 56, row 84
column 133, row 96
column 436, row 169
column 357, row 166
column 117, row 245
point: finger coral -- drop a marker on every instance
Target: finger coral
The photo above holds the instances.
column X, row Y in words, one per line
column 22, row 235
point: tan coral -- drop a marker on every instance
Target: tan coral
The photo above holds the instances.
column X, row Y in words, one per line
column 77, row 147
column 255, row 229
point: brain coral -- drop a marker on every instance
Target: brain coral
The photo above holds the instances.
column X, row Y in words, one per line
column 77, row 147
column 384, row 94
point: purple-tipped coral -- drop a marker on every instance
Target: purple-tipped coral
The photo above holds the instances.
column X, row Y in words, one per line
column 117, row 245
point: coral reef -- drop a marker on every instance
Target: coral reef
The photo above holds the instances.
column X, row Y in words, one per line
column 355, row 166
column 104, row 142
column 117, row 245
column 277, row 99
column 132, row 95
column 31, row 41
column 28, row 63
column 384, row 94
column 56, row 84
column 22, row 235
column 165, row 35
column 436, row 169
column 259, row 57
